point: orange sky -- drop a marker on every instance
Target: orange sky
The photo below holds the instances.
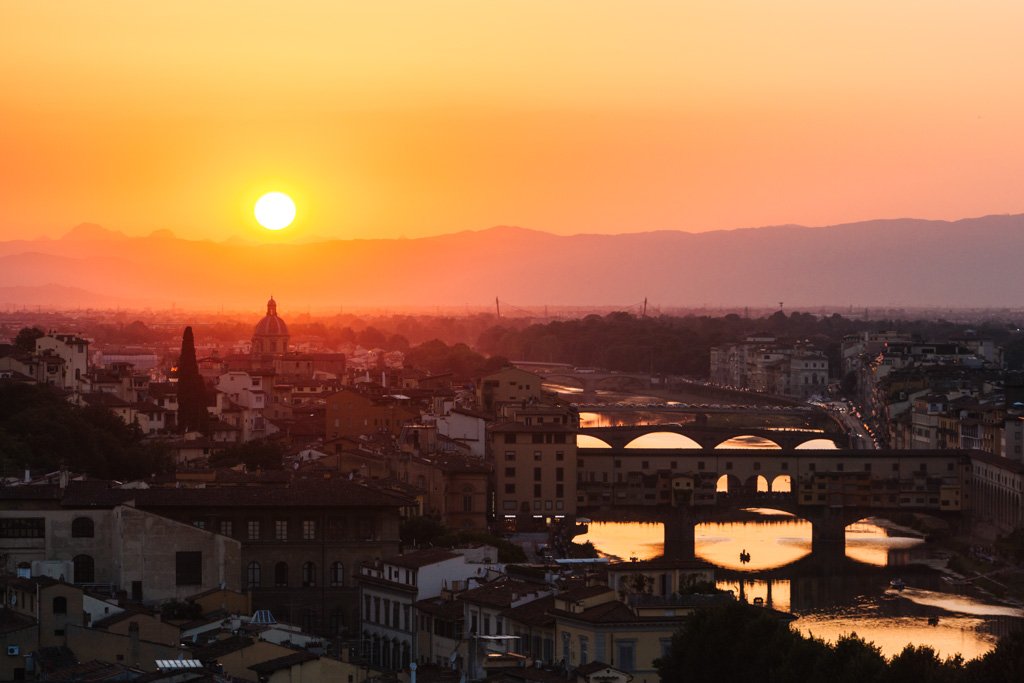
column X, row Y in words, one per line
column 387, row 119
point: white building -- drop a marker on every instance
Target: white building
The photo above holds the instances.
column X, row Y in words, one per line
column 390, row 588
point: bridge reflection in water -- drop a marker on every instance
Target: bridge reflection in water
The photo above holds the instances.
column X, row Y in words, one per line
column 831, row 596
column 775, row 540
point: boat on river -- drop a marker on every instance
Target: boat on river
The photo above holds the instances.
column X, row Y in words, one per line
column 898, row 584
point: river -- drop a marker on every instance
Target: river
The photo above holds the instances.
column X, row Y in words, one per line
column 854, row 596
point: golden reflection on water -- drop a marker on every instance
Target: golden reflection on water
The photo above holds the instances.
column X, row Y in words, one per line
column 779, row 540
column 770, row 544
column 952, row 635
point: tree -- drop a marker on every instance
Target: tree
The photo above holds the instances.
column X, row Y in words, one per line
column 192, row 414
column 26, row 339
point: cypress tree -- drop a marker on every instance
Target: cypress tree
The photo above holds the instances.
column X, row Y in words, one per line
column 192, row 414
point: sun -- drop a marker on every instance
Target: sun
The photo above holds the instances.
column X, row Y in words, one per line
column 275, row 210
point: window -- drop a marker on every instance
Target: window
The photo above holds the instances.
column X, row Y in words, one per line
column 537, row 456
column 308, row 574
column 537, row 474
column 510, row 438
column 60, row 605
column 626, row 660
column 559, row 474
column 510, row 488
column 281, row 574
column 226, row 527
column 536, row 491
column 559, row 490
column 510, row 471
column 82, row 527
column 308, row 529
column 252, row 574
column 199, row 523
column 559, row 455
column 188, row 568
column 253, row 528
column 584, row 650
column 22, row 527
column 85, row 569
column 337, row 574
column 281, row 529
column 510, row 455
column 467, row 503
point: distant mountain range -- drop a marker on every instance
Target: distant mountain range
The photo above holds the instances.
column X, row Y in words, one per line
column 976, row 262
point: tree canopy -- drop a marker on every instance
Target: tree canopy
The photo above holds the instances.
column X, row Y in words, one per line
column 738, row 642
column 39, row 429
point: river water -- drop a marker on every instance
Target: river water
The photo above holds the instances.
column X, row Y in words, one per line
column 855, row 596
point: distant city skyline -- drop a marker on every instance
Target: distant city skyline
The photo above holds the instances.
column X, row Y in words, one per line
column 416, row 119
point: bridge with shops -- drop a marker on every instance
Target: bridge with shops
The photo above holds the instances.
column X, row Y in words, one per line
column 682, row 487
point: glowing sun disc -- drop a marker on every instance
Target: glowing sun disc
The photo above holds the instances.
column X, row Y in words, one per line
column 275, row 210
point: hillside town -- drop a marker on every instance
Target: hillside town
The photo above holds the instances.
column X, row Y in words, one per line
column 309, row 560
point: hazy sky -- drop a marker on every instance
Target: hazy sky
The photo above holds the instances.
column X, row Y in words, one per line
column 413, row 118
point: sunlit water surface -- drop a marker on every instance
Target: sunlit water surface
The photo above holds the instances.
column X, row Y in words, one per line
column 829, row 607
column 860, row 602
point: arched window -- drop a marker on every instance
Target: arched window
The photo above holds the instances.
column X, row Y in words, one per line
column 252, row 579
column 281, row 574
column 308, row 574
column 337, row 574
column 85, row 569
column 60, row 605
column 82, row 527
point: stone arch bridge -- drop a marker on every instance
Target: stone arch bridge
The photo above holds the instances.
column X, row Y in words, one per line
column 709, row 438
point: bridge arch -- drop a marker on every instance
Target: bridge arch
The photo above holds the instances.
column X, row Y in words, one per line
column 750, row 441
column 727, row 483
column 817, row 444
column 589, row 441
column 673, row 440
column 782, row 483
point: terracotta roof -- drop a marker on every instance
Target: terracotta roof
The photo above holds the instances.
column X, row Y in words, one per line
column 13, row 621
column 420, row 558
column 221, row 648
column 536, row 613
column 500, row 593
column 613, row 612
column 272, row 665
column 584, row 592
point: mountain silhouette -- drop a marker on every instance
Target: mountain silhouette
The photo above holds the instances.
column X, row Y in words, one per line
column 903, row 262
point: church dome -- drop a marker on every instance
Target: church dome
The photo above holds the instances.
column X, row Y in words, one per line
column 271, row 325
column 271, row 334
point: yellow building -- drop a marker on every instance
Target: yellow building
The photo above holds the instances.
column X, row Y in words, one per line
column 535, row 464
